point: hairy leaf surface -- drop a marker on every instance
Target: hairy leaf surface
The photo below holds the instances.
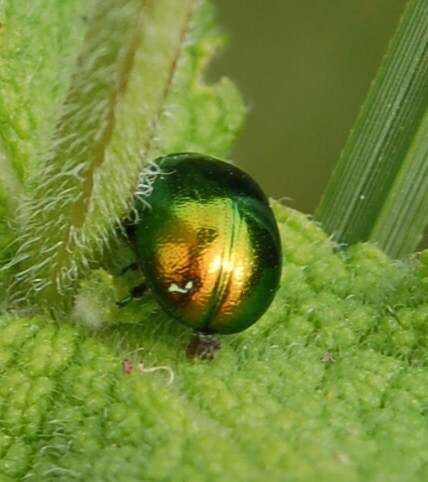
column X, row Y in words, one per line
column 130, row 89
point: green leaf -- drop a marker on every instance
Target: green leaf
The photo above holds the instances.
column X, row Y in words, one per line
column 378, row 190
column 331, row 384
column 37, row 47
column 401, row 222
column 133, row 90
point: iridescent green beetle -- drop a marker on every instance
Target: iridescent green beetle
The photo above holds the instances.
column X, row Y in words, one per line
column 208, row 244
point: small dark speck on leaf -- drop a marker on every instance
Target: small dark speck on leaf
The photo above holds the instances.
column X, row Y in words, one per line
column 127, row 366
column 327, row 358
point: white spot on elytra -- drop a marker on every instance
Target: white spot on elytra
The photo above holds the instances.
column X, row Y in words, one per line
column 174, row 288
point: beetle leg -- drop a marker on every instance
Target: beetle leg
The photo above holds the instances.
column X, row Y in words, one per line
column 124, row 301
column 136, row 292
column 139, row 290
column 130, row 267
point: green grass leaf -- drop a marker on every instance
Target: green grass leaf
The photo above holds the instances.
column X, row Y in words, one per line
column 131, row 89
column 378, row 190
column 330, row 384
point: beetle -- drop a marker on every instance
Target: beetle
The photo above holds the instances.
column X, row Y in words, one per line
column 208, row 244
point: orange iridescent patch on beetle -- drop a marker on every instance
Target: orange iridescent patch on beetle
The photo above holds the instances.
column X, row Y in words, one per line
column 236, row 270
column 193, row 248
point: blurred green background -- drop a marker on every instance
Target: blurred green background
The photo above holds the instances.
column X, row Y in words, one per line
column 304, row 68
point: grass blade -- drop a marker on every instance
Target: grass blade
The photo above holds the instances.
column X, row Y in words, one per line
column 404, row 216
column 372, row 194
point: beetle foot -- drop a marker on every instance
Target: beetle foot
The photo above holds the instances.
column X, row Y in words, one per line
column 136, row 293
column 203, row 347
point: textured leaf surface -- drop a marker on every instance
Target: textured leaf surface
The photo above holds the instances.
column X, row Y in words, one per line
column 129, row 88
column 330, row 385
